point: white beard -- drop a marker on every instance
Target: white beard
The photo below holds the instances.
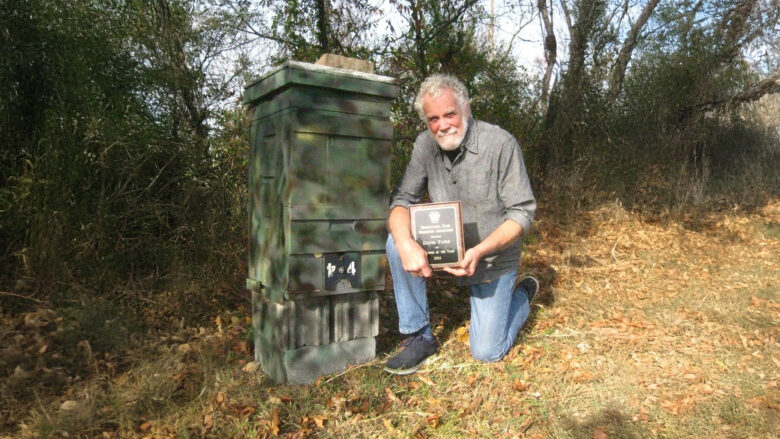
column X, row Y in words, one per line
column 451, row 139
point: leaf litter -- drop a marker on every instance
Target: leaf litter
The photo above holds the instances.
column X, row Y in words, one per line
column 654, row 326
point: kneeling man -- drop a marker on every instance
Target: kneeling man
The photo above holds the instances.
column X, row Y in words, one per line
column 480, row 165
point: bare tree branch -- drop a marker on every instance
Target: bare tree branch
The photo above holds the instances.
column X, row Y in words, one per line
column 451, row 19
column 755, row 92
column 567, row 16
column 621, row 63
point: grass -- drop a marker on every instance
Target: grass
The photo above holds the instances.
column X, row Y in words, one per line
column 643, row 329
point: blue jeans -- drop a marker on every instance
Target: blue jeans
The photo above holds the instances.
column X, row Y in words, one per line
column 497, row 310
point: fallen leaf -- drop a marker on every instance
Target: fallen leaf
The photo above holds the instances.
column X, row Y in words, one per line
column 581, row 376
column 644, row 414
column 19, row 373
column 678, row 407
column 336, row 402
column 758, row 402
column 475, row 404
column 319, row 420
column 391, row 395
column 433, row 421
column 247, row 411
column 472, row 379
column 388, row 425
column 532, row 352
column 69, row 405
column 425, row 379
column 359, row 405
column 220, row 398
column 463, row 334
column 600, row 433
column 526, row 425
column 274, row 426
column 145, row 426
column 520, row 386
column 706, row 389
column 251, row 367
column 244, row 347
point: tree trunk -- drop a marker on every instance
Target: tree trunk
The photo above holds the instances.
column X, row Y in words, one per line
column 621, row 63
column 418, row 26
column 550, row 53
column 322, row 25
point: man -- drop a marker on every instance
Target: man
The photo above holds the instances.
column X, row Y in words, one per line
column 480, row 165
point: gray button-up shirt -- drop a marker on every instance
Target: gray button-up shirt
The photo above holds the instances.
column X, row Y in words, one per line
column 488, row 177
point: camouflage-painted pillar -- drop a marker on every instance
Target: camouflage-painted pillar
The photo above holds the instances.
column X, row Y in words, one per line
column 319, row 170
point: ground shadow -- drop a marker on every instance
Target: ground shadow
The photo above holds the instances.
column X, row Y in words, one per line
column 611, row 421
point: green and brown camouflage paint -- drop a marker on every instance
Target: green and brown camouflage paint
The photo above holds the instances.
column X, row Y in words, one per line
column 319, row 172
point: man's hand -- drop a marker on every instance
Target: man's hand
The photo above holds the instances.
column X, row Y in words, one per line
column 414, row 258
column 468, row 265
column 504, row 235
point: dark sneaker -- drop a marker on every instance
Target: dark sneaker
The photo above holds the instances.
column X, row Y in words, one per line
column 531, row 286
column 416, row 350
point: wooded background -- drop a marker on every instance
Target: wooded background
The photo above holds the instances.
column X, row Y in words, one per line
column 124, row 141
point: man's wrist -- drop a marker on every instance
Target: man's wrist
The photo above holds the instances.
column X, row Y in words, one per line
column 479, row 250
column 404, row 241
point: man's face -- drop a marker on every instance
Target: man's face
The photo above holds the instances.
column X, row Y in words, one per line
column 446, row 120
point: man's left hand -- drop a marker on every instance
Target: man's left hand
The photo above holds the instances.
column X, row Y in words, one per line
column 468, row 265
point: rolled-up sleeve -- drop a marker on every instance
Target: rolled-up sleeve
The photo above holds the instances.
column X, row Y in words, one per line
column 514, row 186
column 412, row 187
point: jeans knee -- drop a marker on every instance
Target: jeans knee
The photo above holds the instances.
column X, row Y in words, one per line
column 486, row 354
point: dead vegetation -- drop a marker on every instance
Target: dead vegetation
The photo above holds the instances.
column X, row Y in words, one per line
column 648, row 326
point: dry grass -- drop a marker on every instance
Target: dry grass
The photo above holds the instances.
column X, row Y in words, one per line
column 646, row 327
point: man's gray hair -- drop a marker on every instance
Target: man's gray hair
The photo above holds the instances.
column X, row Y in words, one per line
column 434, row 84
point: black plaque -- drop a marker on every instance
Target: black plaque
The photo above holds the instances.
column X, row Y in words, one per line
column 438, row 228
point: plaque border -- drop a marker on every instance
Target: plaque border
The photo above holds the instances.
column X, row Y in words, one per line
column 458, row 227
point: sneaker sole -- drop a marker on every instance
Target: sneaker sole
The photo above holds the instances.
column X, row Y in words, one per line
column 410, row 370
column 537, row 285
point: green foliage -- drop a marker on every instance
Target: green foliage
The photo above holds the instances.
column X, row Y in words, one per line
column 112, row 174
column 667, row 141
column 124, row 160
column 305, row 29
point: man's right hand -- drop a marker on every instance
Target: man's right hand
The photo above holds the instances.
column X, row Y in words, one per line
column 414, row 258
